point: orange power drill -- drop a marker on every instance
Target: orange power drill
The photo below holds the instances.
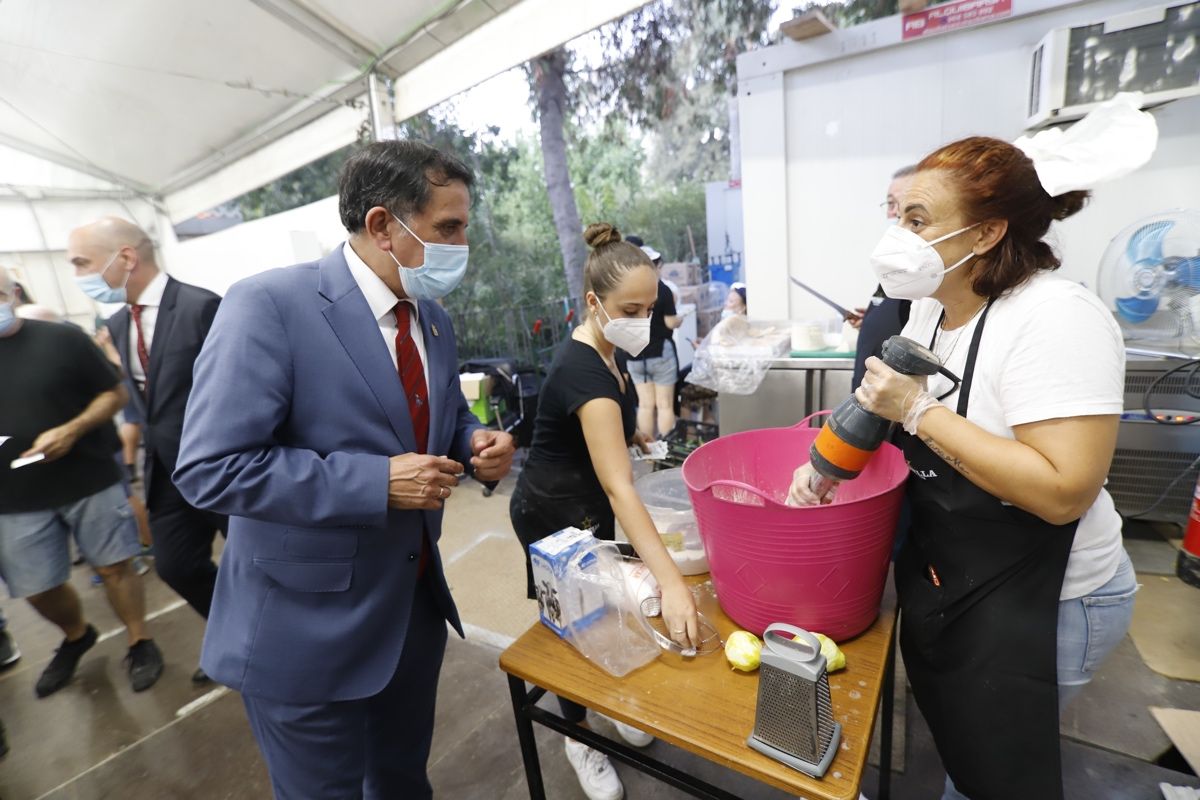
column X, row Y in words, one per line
column 852, row 434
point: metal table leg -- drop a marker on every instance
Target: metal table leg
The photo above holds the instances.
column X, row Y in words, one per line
column 885, row 733
column 533, row 770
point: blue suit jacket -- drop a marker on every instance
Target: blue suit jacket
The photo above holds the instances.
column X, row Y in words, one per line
column 295, row 410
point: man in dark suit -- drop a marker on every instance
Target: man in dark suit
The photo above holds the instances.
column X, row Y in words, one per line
column 328, row 422
column 158, row 334
column 883, row 317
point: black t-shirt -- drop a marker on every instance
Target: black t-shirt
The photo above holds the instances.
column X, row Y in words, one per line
column 659, row 332
column 559, row 453
column 49, row 373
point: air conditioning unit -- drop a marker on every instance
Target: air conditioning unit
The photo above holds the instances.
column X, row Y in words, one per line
column 1154, row 50
column 1154, row 468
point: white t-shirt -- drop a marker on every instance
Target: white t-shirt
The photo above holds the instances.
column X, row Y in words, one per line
column 1050, row 349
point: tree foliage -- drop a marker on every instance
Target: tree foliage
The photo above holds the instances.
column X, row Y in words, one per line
column 670, row 68
column 855, row 12
column 644, row 127
column 308, row 184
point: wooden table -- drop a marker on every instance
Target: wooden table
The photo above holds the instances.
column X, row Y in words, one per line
column 704, row 707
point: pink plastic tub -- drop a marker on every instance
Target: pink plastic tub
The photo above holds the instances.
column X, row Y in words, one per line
column 822, row 568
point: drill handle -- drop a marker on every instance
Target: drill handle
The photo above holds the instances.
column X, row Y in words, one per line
column 910, row 358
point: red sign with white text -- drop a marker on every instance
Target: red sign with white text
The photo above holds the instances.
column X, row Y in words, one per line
column 954, row 15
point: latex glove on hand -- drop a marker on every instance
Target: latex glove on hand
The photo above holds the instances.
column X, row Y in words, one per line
column 899, row 398
column 801, row 492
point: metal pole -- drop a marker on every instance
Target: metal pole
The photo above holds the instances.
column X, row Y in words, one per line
column 529, row 753
column 373, row 105
column 887, row 721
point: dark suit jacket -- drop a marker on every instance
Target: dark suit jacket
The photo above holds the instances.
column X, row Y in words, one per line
column 184, row 318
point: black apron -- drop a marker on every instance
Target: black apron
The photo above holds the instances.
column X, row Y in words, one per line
column 978, row 583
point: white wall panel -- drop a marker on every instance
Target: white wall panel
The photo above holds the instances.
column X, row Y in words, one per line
column 861, row 103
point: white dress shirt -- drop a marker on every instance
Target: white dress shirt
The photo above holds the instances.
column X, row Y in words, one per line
column 150, row 299
column 383, row 302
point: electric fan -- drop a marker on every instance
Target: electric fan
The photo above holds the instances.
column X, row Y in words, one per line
column 1150, row 277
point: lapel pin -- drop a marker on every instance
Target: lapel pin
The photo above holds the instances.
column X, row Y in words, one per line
column 434, row 329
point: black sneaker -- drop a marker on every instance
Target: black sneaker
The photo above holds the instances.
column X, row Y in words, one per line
column 9, row 654
column 200, row 677
column 62, row 667
column 145, row 664
column 3, row 742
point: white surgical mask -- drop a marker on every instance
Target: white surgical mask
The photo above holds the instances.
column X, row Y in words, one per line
column 631, row 334
column 95, row 287
column 443, row 270
column 908, row 267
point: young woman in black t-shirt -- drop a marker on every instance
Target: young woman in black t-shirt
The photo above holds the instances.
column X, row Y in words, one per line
column 578, row 472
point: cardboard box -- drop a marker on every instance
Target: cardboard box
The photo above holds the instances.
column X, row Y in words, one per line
column 475, row 385
column 681, row 273
column 565, row 601
column 483, row 411
column 687, row 294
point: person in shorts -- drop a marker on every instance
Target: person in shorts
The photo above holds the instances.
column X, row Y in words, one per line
column 656, row 370
column 57, row 402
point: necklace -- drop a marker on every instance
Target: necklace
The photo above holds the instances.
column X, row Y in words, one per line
column 610, row 362
column 944, row 354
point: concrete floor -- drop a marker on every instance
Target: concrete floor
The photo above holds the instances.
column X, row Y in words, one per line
column 97, row 739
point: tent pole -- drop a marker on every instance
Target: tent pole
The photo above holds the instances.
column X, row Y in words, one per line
column 373, row 107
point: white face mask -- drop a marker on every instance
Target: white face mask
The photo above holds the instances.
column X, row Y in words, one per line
column 631, row 334
column 908, row 267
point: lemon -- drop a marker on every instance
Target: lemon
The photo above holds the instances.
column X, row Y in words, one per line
column 743, row 651
column 835, row 659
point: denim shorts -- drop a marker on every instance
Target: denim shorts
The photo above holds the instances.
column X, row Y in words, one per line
column 35, row 553
column 660, row 371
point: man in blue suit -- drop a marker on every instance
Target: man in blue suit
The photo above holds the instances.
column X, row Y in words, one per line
column 328, row 422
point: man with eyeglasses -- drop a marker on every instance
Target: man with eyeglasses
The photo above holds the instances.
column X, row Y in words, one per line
column 883, row 317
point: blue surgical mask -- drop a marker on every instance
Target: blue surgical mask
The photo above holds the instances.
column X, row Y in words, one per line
column 8, row 318
column 95, row 287
column 443, row 270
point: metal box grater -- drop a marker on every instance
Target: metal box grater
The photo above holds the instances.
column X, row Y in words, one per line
column 794, row 723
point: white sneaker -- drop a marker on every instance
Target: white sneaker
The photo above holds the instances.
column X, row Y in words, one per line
column 597, row 777
column 630, row 734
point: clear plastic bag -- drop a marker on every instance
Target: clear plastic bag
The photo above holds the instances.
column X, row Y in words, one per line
column 617, row 640
column 736, row 355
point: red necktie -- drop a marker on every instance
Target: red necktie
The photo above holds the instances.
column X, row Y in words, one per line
column 412, row 376
column 142, row 353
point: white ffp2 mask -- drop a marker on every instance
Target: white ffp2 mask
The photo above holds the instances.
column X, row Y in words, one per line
column 631, row 334
column 908, row 267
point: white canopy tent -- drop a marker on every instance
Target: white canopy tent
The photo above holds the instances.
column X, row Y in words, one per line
column 160, row 109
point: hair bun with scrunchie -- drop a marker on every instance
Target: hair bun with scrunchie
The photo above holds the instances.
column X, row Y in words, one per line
column 599, row 234
column 1069, row 203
